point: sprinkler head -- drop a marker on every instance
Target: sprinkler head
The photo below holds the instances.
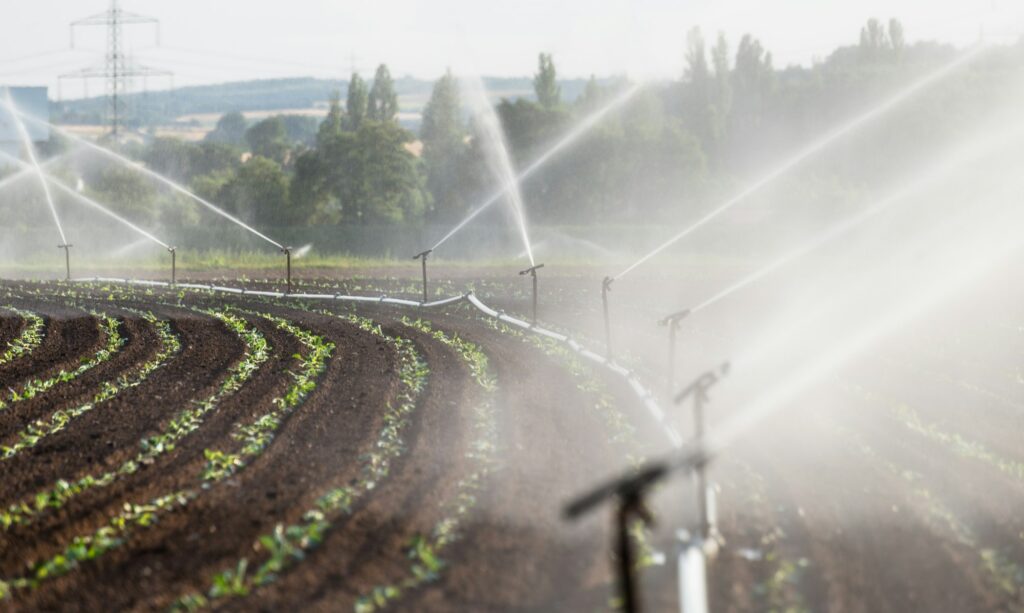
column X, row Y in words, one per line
column 674, row 318
column 422, row 254
column 606, row 283
column 532, row 270
column 172, row 249
column 700, row 387
column 286, row 250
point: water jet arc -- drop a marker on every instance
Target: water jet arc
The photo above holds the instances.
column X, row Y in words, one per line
column 572, row 136
column 150, row 173
column 810, row 150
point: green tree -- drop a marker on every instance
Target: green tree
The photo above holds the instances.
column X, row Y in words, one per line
column 332, row 124
column 230, row 129
column 444, row 148
column 545, row 83
column 355, row 106
column 268, row 139
column 373, row 176
column 383, row 101
column 258, row 193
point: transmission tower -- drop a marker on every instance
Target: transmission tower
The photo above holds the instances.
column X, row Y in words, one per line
column 117, row 67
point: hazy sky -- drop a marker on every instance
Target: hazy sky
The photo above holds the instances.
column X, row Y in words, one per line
column 214, row 40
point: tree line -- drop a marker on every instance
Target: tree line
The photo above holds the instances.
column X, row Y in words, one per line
column 674, row 147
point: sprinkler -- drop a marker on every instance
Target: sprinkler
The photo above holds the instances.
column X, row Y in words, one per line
column 630, row 492
column 287, row 251
column 174, row 265
column 423, row 256
column 532, row 271
column 672, row 323
column 699, row 390
column 67, row 258
column 606, row 286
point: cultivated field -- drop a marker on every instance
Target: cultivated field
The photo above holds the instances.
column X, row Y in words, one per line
column 168, row 449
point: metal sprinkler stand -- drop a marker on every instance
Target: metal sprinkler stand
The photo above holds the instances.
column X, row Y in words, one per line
column 606, row 286
column 423, row 256
column 699, row 390
column 287, row 251
column 629, row 492
column 67, row 258
column 174, row 265
column 532, row 271
column 672, row 323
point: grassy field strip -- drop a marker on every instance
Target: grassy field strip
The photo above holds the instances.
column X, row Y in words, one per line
column 288, row 545
column 964, row 447
column 110, row 328
column 29, row 339
column 115, row 533
column 257, row 351
column 39, row 429
column 426, row 564
column 999, row 571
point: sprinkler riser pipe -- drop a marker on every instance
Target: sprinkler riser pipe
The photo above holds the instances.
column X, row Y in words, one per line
column 174, row 266
column 606, row 286
column 424, row 277
column 630, row 506
column 67, row 260
column 532, row 271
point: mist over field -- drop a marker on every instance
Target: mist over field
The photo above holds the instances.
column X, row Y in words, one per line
column 627, row 306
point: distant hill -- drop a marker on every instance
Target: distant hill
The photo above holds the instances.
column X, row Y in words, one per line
column 166, row 107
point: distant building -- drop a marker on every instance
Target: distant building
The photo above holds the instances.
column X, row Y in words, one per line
column 31, row 101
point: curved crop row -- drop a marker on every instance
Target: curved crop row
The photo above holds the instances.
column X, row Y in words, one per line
column 30, row 338
column 170, row 344
column 288, row 545
column 424, row 551
column 257, row 351
column 84, row 548
column 114, row 342
column 256, row 435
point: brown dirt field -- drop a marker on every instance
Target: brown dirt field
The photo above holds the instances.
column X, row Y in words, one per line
column 841, row 505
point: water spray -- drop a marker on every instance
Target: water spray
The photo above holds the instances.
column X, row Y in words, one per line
column 146, row 171
column 810, row 150
column 571, row 137
column 672, row 323
column 67, row 258
column 30, row 151
column 532, row 271
column 606, row 286
column 699, row 390
column 423, row 257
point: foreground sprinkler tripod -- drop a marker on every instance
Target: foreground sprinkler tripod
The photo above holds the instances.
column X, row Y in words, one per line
column 672, row 322
column 606, row 286
column 629, row 492
column 287, row 251
column 631, row 489
column 423, row 256
column 699, row 390
column 532, row 271
column 67, row 258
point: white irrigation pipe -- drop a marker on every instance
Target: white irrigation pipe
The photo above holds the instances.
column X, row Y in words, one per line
column 691, row 559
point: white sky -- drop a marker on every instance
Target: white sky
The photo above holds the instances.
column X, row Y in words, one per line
column 205, row 41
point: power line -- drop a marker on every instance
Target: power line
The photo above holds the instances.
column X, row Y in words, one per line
column 117, row 67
